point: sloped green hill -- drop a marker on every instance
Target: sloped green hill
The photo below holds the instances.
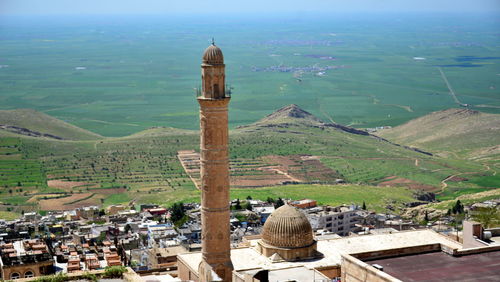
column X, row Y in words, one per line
column 144, row 166
column 465, row 132
column 27, row 122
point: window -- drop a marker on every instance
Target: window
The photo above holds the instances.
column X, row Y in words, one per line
column 216, row 91
column 15, row 275
column 28, row 274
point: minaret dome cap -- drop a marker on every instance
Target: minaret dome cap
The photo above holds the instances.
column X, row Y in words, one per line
column 213, row 55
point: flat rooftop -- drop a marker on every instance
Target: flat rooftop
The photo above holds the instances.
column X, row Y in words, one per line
column 248, row 257
column 299, row 274
column 439, row 266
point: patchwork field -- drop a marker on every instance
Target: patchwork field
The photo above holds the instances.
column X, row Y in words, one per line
column 101, row 110
column 118, row 76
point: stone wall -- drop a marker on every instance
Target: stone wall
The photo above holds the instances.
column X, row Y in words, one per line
column 330, row 272
column 37, row 269
column 354, row 270
column 185, row 272
column 398, row 252
column 471, row 233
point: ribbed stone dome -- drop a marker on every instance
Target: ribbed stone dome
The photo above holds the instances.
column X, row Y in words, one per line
column 287, row 227
column 213, row 55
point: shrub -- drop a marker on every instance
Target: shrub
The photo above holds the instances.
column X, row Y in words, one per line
column 52, row 278
column 89, row 276
column 114, row 271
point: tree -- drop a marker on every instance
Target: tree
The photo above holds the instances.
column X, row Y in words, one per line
column 364, row 206
column 426, row 217
column 488, row 216
column 177, row 212
column 102, row 212
column 127, row 228
column 270, row 200
column 458, row 208
column 279, row 203
column 249, row 197
column 248, row 206
column 237, row 206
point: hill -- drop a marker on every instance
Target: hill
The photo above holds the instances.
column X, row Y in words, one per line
column 465, row 132
column 27, row 122
column 288, row 115
column 293, row 115
column 288, row 146
column 160, row 131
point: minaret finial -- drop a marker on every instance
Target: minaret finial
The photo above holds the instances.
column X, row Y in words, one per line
column 213, row 41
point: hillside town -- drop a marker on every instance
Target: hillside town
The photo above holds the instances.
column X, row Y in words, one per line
column 147, row 237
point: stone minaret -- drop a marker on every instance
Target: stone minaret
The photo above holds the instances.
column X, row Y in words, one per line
column 214, row 169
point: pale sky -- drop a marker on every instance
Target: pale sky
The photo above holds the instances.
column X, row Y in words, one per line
column 49, row 7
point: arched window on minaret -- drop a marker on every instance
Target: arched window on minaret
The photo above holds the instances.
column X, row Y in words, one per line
column 216, row 91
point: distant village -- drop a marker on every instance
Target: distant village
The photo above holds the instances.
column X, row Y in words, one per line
column 147, row 238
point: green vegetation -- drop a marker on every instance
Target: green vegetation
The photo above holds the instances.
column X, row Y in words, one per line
column 32, row 123
column 467, row 199
column 487, row 181
column 9, row 215
column 117, row 199
column 79, row 81
column 114, row 272
column 52, row 278
column 453, row 193
column 488, row 216
column 144, row 167
column 377, row 198
column 89, row 276
column 88, row 77
column 452, row 132
column 177, row 212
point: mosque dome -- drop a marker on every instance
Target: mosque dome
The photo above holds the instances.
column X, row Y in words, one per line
column 213, row 55
column 287, row 227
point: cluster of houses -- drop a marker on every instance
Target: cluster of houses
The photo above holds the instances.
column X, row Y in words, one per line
column 145, row 239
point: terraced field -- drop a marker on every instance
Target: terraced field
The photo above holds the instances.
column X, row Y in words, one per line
column 264, row 171
column 161, row 165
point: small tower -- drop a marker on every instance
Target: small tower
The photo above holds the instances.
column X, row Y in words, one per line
column 215, row 238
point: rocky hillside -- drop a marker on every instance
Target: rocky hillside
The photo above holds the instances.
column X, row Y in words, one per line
column 288, row 115
column 293, row 115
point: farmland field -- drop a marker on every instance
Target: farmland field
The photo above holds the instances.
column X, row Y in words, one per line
column 110, row 114
column 119, row 76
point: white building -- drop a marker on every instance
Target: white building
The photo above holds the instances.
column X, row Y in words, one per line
column 339, row 220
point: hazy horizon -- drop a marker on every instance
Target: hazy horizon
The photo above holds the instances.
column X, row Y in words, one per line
column 193, row 7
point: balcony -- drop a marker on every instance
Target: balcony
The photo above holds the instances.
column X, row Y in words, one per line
column 227, row 92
